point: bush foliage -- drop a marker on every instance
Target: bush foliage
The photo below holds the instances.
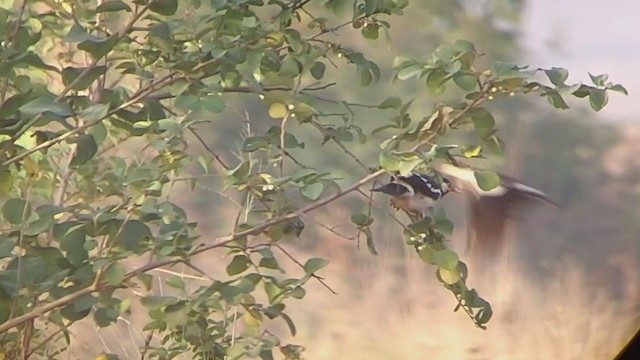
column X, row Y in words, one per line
column 82, row 79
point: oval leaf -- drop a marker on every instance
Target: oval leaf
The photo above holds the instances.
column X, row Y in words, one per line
column 446, row 259
column 13, row 210
column 314, row 264
column 85, row 150
column 487, row 180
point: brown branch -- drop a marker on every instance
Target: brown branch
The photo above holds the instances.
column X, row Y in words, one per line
column 219, row 242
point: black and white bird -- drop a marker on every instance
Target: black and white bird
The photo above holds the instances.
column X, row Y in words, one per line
column 488, row 211
column 416, row 193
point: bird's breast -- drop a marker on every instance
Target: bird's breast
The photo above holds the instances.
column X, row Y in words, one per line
column 420, row 203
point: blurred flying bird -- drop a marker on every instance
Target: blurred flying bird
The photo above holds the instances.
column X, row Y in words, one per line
column 488, row 211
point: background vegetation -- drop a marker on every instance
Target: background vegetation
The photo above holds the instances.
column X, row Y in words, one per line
column 161, row 161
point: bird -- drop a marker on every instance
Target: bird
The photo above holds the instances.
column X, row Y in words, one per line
column 416, row 193
column 489, row 211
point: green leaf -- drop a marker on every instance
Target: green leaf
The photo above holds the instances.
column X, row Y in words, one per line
column 484, row 315
column 446, row 259
column 114, row 274
column 317, row 70
column 277, row 110
column 557, row 75
column 487, row 180
column 72, row 236
column 370, row 244
column 165, row 7
column 391, row 102
column 410, row 71
column 100, row 46
column 6, row 181
column 619, row 88
column 556, row 100
column 465, row 80
column 188, row 102
column 427, row 253
column 365, row 77
column 471, row 151
column 290, row 323
column 269, row 263
column 404, row 162
column 13, row 210
column 70, row 74
column 83, row 303
column 104, row 317
column 177, row 314
column 314, row 264
column 158, row 302
column 239, row 264
column 213, row 103
column 445, row 226
column 360, row 219
column 370, row 31
column 298, row 292
column 436, row 81
column 599, row 80
column 86, row 148
column 45, row 104
column 254, row 143
column 312, row 191
column 483, row 121
column 95, row 112
column 7, row 244
column 132, row 234
column 598, row 99
column 272, row 290
column 44, row 222
column 449, row 276
column 113, row 5
column 146, row 280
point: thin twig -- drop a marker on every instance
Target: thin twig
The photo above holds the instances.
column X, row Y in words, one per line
column 10, row 44
column 331, row 101
column 147, row 343
column 86, row 70
column 292, row 258
column 344, row 148
column 44, row 342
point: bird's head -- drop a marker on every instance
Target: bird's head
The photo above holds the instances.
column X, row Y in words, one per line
column 449, row 186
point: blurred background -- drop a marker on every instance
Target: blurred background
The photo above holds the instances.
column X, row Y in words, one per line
column 573, row 288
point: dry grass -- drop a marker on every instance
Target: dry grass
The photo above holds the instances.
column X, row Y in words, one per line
column 391, row 307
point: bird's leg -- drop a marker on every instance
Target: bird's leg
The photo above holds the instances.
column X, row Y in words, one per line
column 396, row 204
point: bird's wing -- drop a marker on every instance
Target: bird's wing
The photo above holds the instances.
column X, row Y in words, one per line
column 427, row 185
column 490, row 211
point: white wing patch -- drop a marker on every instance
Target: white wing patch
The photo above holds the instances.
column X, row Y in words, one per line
column 528, row 189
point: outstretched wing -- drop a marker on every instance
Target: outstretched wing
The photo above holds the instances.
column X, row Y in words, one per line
column 490, row 211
